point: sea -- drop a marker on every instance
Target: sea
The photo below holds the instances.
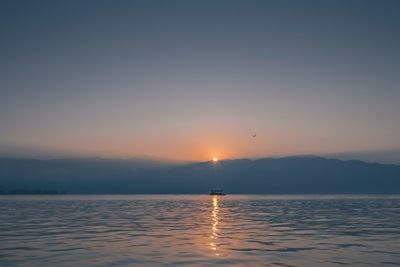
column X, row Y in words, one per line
column 200, row 230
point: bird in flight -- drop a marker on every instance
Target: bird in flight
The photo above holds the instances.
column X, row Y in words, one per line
column 253, row 135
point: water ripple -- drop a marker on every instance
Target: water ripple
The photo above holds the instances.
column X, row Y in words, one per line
column 199, row 230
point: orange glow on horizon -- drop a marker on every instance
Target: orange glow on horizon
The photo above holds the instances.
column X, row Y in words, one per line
column 191, row 146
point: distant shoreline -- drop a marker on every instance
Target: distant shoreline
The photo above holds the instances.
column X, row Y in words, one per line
column 33, row 192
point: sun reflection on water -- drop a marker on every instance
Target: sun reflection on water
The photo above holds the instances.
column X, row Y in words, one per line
column 214, row 227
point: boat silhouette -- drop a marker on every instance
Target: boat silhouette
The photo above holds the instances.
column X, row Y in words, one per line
column 217, row 192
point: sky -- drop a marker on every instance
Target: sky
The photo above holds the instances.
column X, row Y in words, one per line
column 194, row 80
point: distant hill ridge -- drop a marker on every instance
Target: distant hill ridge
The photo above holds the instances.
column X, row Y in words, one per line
column 287, row 175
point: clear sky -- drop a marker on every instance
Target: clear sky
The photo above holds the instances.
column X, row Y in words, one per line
column 195, row 79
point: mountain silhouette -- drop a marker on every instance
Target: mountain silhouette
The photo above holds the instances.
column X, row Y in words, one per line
column 288, row 175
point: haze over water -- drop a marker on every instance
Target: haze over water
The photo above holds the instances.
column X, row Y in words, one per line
column 166, row 230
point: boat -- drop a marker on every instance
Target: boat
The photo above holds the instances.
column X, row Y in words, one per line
column 217, row 192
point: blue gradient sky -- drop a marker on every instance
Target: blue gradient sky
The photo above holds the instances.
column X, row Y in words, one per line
column 194, row 79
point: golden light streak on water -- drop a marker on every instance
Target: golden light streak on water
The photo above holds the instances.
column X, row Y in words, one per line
column 214, row 226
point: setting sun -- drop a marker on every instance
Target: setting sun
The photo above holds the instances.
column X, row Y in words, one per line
column 215, row 159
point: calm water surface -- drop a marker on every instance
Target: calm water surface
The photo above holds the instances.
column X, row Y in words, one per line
column 170, row 230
